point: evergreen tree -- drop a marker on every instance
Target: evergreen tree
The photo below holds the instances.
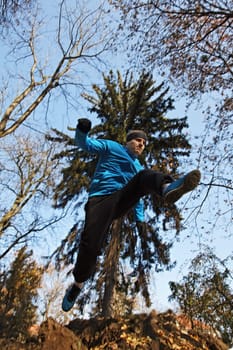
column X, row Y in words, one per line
column 18, row 290
column 205, row 293
column 120, row 105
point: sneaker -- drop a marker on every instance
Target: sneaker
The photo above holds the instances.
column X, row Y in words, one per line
column 178, row 188
column 70, row 297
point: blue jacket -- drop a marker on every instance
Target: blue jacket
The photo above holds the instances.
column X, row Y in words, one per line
column 115, row 167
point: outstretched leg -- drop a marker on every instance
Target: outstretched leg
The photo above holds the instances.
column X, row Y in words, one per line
column 148, row 182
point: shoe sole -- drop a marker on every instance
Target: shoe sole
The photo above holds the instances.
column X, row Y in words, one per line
column 191, row 181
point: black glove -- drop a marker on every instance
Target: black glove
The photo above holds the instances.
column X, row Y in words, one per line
column 84, row 125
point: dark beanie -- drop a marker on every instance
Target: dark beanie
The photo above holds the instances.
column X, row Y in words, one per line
column 135, row 134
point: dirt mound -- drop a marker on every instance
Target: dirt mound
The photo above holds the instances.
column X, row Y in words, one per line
column 164, row 331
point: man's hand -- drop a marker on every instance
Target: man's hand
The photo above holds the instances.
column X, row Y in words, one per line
column 84, row 125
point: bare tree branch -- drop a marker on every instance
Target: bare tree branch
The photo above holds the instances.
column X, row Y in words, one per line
column 82, row 42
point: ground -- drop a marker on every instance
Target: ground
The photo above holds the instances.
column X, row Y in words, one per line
column 154, row 331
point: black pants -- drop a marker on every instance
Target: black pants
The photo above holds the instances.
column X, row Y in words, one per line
column 102, row 210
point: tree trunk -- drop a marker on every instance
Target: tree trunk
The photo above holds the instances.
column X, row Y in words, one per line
column 111, row 267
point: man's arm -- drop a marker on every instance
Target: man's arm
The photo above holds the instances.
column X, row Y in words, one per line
column 82, row 139
column 140, row 218
column 139, row 211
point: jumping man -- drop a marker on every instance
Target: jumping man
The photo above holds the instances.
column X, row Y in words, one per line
column 118, row 185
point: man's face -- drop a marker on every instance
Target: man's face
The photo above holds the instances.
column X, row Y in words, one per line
column 136, row 146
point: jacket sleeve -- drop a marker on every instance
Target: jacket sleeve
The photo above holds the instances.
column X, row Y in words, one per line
column 139, row 211
column 88, row 144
